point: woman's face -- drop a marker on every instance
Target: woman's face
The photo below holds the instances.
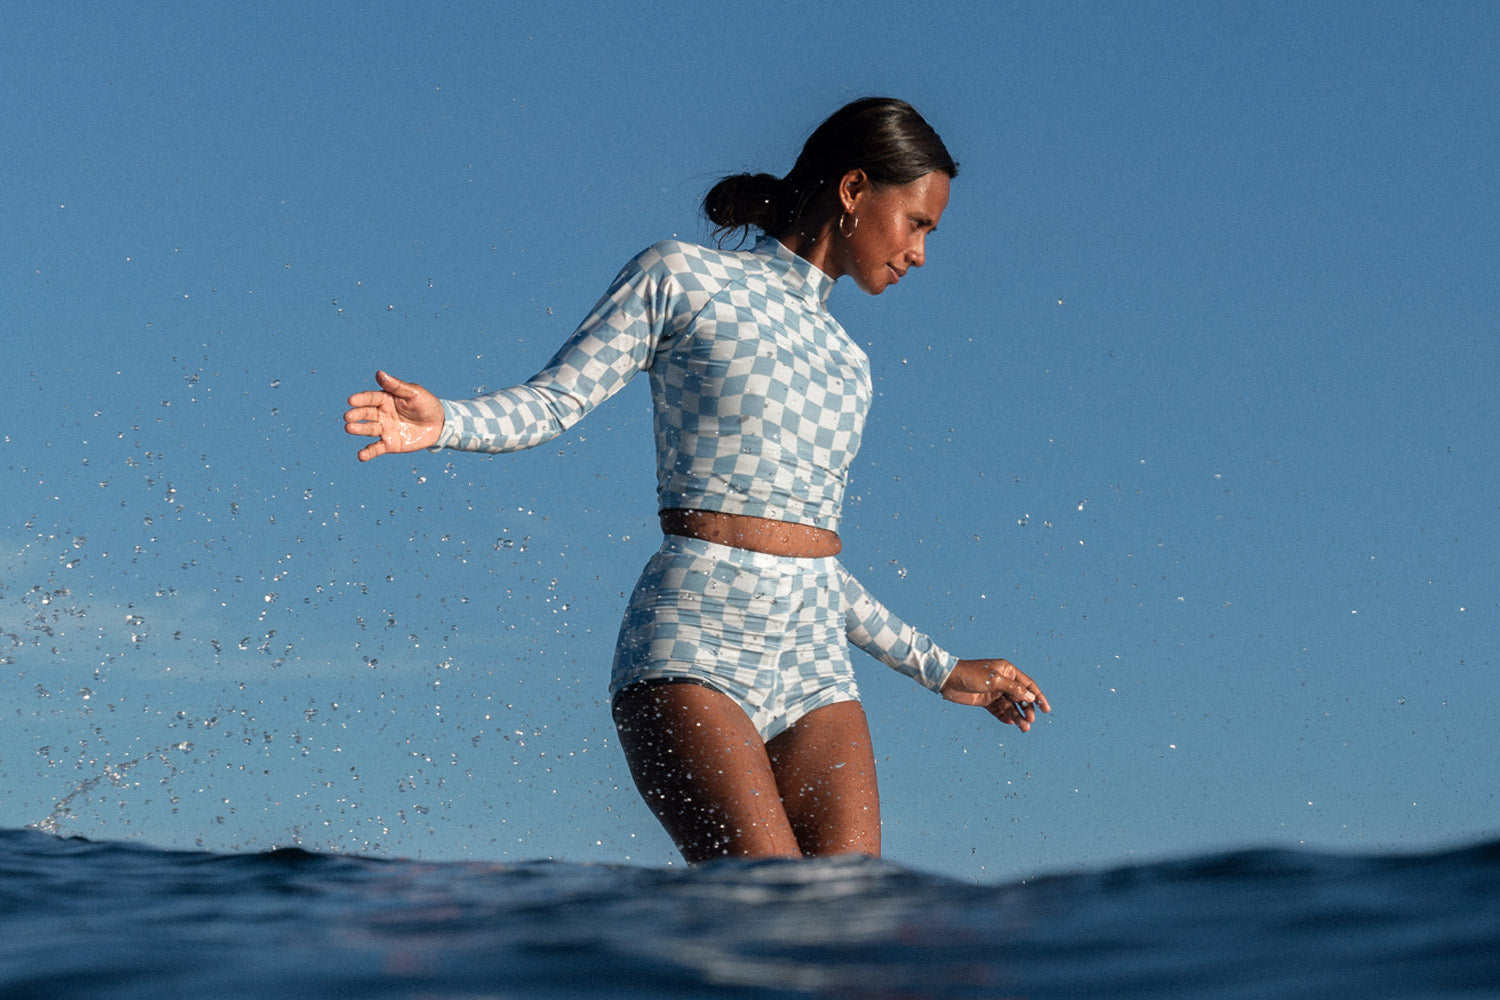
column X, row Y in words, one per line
column 890, row 235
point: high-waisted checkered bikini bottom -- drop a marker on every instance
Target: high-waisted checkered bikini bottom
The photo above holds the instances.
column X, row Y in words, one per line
column 768, row 631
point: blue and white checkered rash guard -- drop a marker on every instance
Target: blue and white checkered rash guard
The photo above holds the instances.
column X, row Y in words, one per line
column 759, row 394
column 759, row 397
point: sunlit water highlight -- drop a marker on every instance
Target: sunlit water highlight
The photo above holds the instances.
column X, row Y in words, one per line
column 106, row 920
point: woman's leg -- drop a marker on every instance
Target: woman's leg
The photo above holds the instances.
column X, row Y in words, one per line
column 825, row 773
column 703, row 769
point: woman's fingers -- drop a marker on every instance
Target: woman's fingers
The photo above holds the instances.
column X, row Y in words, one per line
column 363, row 420
column 1000, row 688
column 1021, row 688
column 370, row 451
column 400, row 414
column 1015, row 714
column 396, row 387
column 369, row 399
column 403, row 415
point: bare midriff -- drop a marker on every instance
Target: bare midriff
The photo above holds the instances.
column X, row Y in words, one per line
column 758, row 534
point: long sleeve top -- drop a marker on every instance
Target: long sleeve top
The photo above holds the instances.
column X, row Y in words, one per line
column 759, row 399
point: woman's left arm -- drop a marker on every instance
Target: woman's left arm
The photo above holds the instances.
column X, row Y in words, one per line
column 998, row 686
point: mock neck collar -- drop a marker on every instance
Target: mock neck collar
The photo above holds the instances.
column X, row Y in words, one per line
column 801, row 274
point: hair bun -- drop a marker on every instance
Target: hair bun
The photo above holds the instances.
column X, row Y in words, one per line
column 742, row 200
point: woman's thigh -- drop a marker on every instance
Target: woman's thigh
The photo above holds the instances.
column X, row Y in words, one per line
column 825, row 774
column 703, row 769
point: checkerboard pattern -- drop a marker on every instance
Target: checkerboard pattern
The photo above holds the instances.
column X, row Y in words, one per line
column 768, row 631
column 759, row 399
column 874, row 629
column 765, row 630
column 759, row 395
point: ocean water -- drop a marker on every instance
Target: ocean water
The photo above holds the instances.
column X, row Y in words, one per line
column 110, row 920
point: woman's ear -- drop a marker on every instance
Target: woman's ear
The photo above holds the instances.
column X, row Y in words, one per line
column 851, row 186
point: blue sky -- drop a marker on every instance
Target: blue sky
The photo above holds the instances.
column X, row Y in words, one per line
column 1190, row 415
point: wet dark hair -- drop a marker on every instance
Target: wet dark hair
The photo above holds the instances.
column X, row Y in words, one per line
column 882, row 136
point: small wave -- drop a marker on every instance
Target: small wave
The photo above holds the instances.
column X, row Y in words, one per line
column 87, row 918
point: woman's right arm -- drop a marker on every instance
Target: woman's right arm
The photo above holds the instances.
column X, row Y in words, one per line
column 616, row 342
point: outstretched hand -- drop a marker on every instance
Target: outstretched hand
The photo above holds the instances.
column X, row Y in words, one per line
column 403, row 415
column 998, row 687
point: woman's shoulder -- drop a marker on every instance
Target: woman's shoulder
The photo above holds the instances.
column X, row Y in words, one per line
column 680, row 258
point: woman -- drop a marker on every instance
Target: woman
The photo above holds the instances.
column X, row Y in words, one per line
column 732, row 687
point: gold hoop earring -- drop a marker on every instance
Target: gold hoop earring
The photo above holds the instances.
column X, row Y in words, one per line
column 842, row 216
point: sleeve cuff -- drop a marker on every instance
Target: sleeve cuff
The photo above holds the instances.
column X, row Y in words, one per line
column 448, row 436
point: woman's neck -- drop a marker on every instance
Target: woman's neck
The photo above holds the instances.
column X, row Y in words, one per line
column 816, row 247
